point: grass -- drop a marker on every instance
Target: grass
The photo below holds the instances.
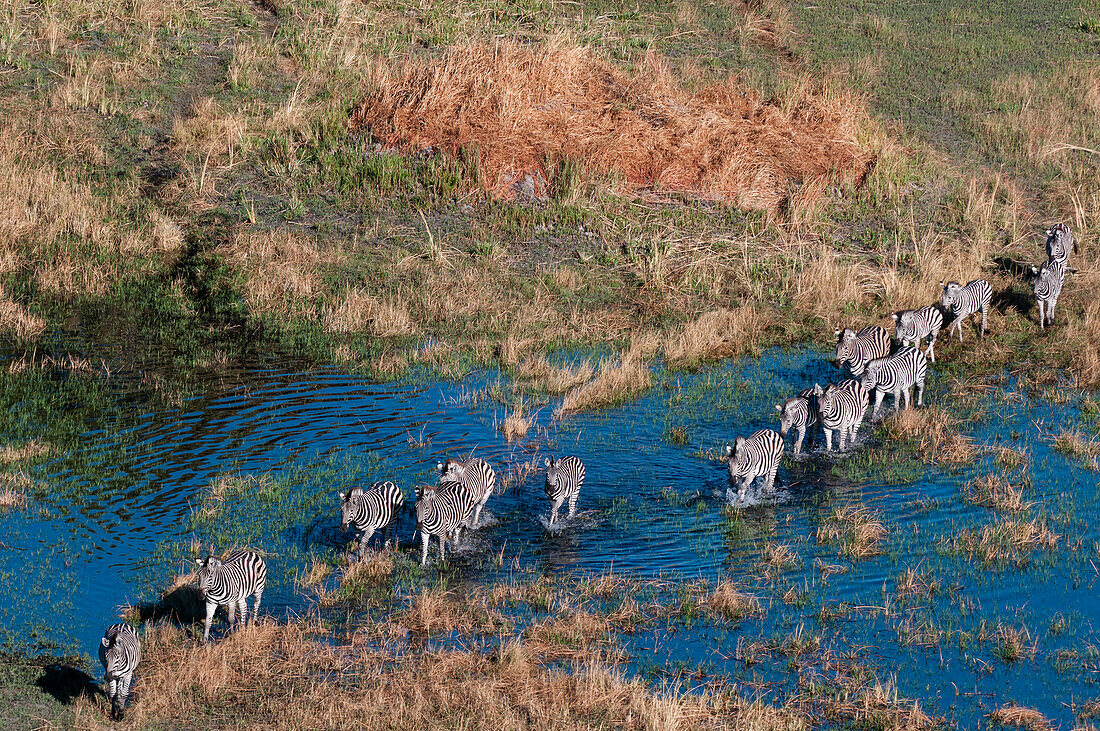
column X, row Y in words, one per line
column 856, row 529
column 995, row 491
column 1021, row 717
column 1079, row 445
column 1006, row 541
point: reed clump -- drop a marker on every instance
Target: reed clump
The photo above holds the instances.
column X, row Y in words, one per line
column 1021, row 717
column 617, row 379
column 527, row 110
column 856, row 528
column 995, row 491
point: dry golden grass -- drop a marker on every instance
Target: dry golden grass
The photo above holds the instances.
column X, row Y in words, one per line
column 995, row 491
column 12, row 498
column 526, row 110
column 856, row 528
column 30, row 450
column 1076, row 443
column 1021, row 717
column 538, row 372
column 280, row 676
column 1006, row 540
column 781, row 556
column 935, row 431
column 516, row 424
column 1013, row 643
column 359, row 311
column 913, row 583
column 727, row 600
column 617, row 379
column 716, row 334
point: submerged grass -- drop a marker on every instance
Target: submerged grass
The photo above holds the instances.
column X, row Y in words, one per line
column 856, row 529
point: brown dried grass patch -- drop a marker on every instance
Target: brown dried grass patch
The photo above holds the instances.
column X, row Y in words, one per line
column 856, row 528
column 516, row 424
column 617, row 379
column 995, row 491
column 727, row 600
column 1021, row 717
column 1077, row 444
column 716, row 334
column 935, row 431
column 526, row 111
column 359, row 311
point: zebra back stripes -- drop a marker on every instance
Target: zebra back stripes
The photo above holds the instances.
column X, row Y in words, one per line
column 441, row 511
column 897, row 375
column 840, row 408
column 965, row 301
column 854, row 349
column 756, row 456
column 912, row 326
column 120, row 653
column 564, row 477
column 376, row 508
column 478, row 477
column 1049, row 279
column 230, row 583
column 799, row 413
column 1060, row 242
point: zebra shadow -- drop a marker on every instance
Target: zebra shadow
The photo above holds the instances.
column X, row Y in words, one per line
column 66, row 683
column 1013, row 267
column 182, row 603
column 1013, row 299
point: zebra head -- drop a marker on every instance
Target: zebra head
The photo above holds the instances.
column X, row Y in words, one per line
column 552, row 471
column 790, row 415
column 209, row 568
column 738, row 461
column 870, row 377
column 845, row 341
column 950, row 293
column 349, row 506
column 451, row 470
column 110, row 652
column 904, row 323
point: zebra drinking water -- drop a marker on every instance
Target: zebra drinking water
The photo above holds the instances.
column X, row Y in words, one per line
column 564, row 477
column 965, row 301
column 230, row 583
column 840, row 408
column 915, row 325
column 476, row 475
column 854, row 349
column 120, row 653
column 375, row 509
column 441, row 511
column 1049, row 279
column 897, row 375
column 1060, row 242
column 757, row 456
column 798, row 412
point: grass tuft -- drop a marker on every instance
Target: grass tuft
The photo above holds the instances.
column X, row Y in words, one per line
column 856, row 529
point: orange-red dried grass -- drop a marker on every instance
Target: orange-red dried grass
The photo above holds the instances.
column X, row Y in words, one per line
column 525, row 111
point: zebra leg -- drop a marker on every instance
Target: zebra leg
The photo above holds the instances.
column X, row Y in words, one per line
column 798, row 442
column 908, row 403
column 1050, row 311
column 210, row 607
column 364, row 543
column 573, row 505
column 256, row 604
column 985, row 309
column 443, row 549
column 932, row 344
column 1042, row 316
column 959, row 328
column 920, row 392
column 770, row 483
column 244, row 611
column 115, row 710
column 879, row 395
column 423, row 548
column 232, row 608
column 828, row 439
column 475, row 519
column 843, row 433
column 124, row 692
column 554, row 511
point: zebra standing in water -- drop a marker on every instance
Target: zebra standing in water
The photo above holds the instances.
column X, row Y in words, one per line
column 564, row 477
column 897, row 375
column 798, row 412
column 915, row 325
column 1049, row 279
column 965, row 301
column 230, row 583
column 840, row 408
column 476, row 475
column 854, row 349
column 120, row 653
column 441, row 511
column 757, row 456
column 375, row 509
column 1060, row 242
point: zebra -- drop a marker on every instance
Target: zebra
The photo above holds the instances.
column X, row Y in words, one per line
column 856, row 348
column 1060, row 242
column 840, row 408
column 120, row 653
column 915, row 325
column 476, row 475
column 965, row 301
column 375, row 509
column 1049, row 279
column 564, row 477
column 798, row 412
column 442, row 510
column 230, row 583
column 757, row 456
column 897, row 375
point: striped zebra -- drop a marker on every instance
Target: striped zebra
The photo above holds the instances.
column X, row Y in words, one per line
column 757, row 456
column 442, row 510
column 897, row 375
column 375, row 509
column 965, row 301
column 230, row 583
column 564, row 477
column 854, row 349
column 1049, row 279
column 916, row 325
column 1060, row 242
column 798, row 412
column 120, row 653
column 476, row 475
column 840, row 408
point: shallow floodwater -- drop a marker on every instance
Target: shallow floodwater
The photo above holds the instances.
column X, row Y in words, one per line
column 88, row 544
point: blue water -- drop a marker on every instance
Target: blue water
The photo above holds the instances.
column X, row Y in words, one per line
column 648, row 504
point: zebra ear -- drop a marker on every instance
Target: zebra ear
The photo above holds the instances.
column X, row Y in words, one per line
column 1034, row 270
column 778, row 408
column 729, row 450
column 738, row 444
column 439, row 466
column 342, row 495
column 546, row 461
column 200, row 562
column 106, row 642
column 818, row 390
column 894, row 315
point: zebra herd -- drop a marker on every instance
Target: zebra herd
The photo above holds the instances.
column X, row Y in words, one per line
column 875, row 366
column 463, row 487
